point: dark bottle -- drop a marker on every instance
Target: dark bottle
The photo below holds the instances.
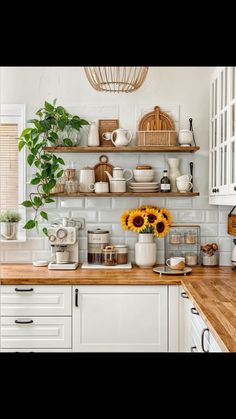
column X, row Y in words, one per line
column 165, row 182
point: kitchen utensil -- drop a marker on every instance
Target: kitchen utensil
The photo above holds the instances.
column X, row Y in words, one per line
column 165, row 270
column 99, row 187
column 119, row 173
column 191, row 173
column 109, row 256
column 184, row 178
column 107, row 125
column 101, row 168
column 191, row 129
column 185, row 138
column 93, row 136
column 86, row 177
column 184, row 186
column 123, row 137
column 143, row 175
column 107, row 136
column 232, row 223
column 122, row 254
column 118, row 182
column 62, row 256
column 156, row 120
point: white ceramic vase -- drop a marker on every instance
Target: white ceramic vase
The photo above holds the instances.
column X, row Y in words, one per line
column 173, row 172
column 8, row 231
column 145, row 251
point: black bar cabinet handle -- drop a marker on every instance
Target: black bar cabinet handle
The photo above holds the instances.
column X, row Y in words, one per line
column 76, row 297
column 194, row 311
column 24, row 321
column 24, row 290
column 193, row 348
column 184, row 295
column 202, row 339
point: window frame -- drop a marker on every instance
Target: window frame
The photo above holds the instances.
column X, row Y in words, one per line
column 16, row 113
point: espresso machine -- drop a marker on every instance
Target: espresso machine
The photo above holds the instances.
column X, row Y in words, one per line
column 64, row 241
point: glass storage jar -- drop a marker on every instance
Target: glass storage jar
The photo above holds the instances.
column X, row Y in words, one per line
column 122, row 253
column 109, row 256
column 175, row 237
column 190, row 237
column 97, row 240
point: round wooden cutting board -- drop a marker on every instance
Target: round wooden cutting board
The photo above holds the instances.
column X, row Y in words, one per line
column 100, row 168
column 156, row 120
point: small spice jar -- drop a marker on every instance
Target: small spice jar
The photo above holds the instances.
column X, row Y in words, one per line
column 190, row 237
column 109, row 256
column 122, row 253
column 191, row 259
column 175, row 237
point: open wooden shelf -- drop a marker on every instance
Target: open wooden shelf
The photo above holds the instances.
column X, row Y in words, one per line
column 128, row 149
column 130, row 194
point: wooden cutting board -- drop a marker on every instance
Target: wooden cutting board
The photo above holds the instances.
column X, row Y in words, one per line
column 100, row 168
column 155, row 121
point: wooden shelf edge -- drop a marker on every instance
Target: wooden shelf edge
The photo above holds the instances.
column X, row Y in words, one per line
column 130, row 194
column 128, row 149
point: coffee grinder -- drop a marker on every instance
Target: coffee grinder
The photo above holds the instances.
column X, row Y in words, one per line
column 63, row 238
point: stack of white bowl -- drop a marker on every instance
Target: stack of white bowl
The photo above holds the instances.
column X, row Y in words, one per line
column 143, row 176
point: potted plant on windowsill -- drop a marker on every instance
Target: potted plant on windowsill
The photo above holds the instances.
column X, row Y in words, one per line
column 9, row 220
column 56, row 126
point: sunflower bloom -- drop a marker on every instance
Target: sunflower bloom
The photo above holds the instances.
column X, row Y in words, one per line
column 152, row 215
column 124, row 220
column 161, row 227
column 137, row 221
column 166, row 214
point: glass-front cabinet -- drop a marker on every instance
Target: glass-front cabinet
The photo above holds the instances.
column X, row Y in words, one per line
column 222, row 145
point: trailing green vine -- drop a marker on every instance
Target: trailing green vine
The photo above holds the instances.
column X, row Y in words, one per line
column 52, row 121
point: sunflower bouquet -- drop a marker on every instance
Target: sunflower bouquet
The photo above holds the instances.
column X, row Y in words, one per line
column 147, row 219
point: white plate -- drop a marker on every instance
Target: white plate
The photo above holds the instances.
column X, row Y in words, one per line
column 144, row 187
column 165, row 270
column 143, row 184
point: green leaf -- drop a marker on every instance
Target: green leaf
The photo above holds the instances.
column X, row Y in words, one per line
column 26, row 131
column 62, row 123
column 54, row 135
column 27, row 204
column 44, row 215
column 45, row 231
column 45, row 125
column 52, row 140
column 33, row 121
column 84, row 122
column 37, row 163
column 29, row 225
column 46, row 157
column 59, row 174
column 35, row 181
column 54, row 168
column 48, row 200
column 34, row 134
column 37, row 201
column 30, row 159
column 60, row 110
column 21, row 144
column 60, row 160
column 39, row 113
column 48, row 186
column 67, row 142
column 76, row 125
column 48, row 106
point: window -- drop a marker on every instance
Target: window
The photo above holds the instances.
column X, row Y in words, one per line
column 12, row 163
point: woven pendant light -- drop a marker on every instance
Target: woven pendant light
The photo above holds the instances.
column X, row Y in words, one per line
column 116, row 79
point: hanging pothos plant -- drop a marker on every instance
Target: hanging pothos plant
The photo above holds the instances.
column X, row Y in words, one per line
column 52, row 121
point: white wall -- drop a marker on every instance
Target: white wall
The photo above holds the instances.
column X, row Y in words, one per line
column 183, row 90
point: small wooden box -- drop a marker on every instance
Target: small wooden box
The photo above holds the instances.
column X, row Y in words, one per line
column 107, row 125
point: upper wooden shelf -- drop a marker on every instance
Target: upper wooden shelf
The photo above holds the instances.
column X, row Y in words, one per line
column 128, row 149
column 130, row 194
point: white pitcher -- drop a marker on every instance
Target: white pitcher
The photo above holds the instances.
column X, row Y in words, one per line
column 123, row 137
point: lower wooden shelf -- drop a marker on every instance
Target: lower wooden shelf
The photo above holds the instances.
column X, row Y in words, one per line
column 130, row 194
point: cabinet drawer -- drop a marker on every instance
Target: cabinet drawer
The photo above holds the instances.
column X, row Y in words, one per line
column 36, row 332
column 36, row 300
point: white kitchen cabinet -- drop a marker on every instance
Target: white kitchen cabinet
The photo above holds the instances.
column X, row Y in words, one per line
column 185, row 304
column 202, row 338
column 222, row 144
column 37, row 317
column 120, row 318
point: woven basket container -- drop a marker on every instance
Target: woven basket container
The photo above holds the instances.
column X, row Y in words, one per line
column 162, row 138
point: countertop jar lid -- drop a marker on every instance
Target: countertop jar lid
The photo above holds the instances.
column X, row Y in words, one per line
column 98, row 231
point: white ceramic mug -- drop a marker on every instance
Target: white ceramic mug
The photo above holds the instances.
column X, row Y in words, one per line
column 184, row 186
column 99, row 187
column 107, row 136
column 176, row 263
column 62, row 256
column 185, row 137
column 184, row 178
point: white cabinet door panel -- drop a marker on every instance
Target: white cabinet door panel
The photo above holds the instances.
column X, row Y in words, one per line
column 121, row 318
column 42, row 332
column 36, row 300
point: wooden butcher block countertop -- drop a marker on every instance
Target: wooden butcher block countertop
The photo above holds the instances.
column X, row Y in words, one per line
column 212, row 290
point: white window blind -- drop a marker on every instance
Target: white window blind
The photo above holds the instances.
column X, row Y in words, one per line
column 9, row 196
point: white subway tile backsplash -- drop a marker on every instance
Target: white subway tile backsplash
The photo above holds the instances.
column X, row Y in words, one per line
column 125, row 203
column 195, row 216
column 101, row 203
column 184, row 202
column 116, row 230
column 41, row 255
column 88, row 215
column 71, row 202
column 223, row 213
column 225, row 258
column 19, row 256
column 208, row 229
column 33, row 243
column 223, row 230
column 211, row 216
column 225, row 244
column 159, row 202
column 83, row 243
column 160, row 257
column 110, row 216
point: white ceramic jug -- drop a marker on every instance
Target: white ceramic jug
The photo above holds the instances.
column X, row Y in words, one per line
column 123, row 137
column 86, row 177
column 93, row 136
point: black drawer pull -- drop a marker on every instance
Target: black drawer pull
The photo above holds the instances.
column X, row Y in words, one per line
column 24, row 321
column 202, row 339
column 194, row 311
column 76, row 297
column 24, row 290
column 184, row 295
column 193, row 349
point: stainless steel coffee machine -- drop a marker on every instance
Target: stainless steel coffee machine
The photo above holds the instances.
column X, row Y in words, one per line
column 64, row 241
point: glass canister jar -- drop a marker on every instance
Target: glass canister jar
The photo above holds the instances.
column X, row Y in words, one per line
column 109, row 256
column 190, row 237
column 122, row 254
column 175, row 237
column 97, row 240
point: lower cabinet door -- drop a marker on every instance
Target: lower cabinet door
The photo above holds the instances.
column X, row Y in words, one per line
column 120, row 318
column 35, row 332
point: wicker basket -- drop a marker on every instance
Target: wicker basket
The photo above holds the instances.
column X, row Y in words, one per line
column 152, row 138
